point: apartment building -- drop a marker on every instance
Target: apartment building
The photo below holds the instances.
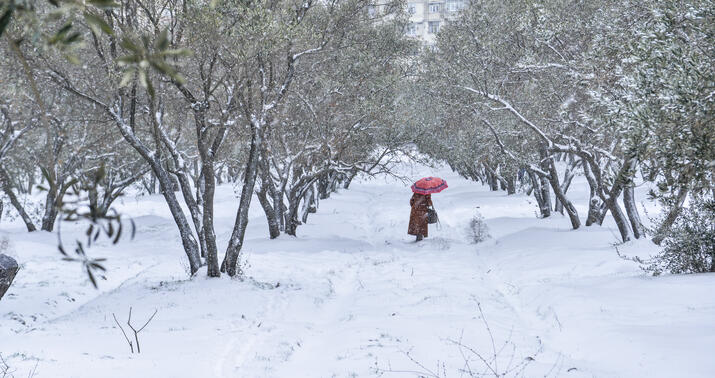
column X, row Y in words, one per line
column 427, row 16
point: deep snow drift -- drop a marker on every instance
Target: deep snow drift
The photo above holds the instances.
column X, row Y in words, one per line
column 353, row 295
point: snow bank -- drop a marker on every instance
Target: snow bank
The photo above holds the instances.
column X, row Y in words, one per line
column 353, row 295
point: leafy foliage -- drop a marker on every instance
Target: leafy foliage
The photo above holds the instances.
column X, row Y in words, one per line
column 690, row 245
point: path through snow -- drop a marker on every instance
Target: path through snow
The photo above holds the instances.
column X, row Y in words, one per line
column 354, row 295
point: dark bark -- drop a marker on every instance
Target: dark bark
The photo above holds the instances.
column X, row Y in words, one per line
column 561, row 196
column 629, row 203
column 296, row 194
column 208, row 218
column 544, row 185
column 279, row 208
column 166, row 184
column 566, row 184
column 53, row 201
column 493, row 182
column 309, row 204
column 324, row 187
column 262, row 195
column 194, row 204
column 672, row 215
column 620, row 218
column 7, row 188
column 188, row 240
column 596, row 207
column 230, row 261
column 334, row 181
column 610, row 197
column 30, row 182
column 349, row 179
column 545, row 195
column 511, row 185
column 538, row 191
column 51, row 210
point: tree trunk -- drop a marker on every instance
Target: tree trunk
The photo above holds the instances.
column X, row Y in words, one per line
column 192, row 203
column 610, row 197
column 53, row 199
column 623, row 227
column 334, row 181
column 511, row 185
column 596, row 206
column 493, row 182
column 48, row 219
column 292, row 221
column 7, row 188
column 545, row 166
column 279, row 208
column 565, row 185
column 30, row 182
column 543, row 202
column 629, row 202
column 349, row 179
column 294, row 200
column 230, row 261
column 323, row 186
column 672, row 215
column 297, row 193
column 188, row 240
column 166, row 184
column 561, row 196
column 308, row 204
column 208, row 173
column 545, row 195
column 273, row 222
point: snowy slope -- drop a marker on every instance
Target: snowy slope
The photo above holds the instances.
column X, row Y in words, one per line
column 353, row 295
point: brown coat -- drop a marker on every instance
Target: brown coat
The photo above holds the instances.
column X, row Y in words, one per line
column 418, row 215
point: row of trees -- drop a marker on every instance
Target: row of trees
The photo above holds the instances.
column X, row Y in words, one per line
column 614, row 90
column 288, row 99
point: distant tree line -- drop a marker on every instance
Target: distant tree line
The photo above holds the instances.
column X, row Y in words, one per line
column 287, row 99
column 530, row 93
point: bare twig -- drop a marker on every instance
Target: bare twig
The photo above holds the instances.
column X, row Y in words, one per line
column 136, row 331
column 131, row 346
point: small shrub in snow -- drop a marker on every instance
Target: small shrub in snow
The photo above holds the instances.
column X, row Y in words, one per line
column 502, row 361
column 135, row 342
column 478, row 230
column 690, row 244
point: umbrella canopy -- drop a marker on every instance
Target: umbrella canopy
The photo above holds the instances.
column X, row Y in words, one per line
column 429, row 185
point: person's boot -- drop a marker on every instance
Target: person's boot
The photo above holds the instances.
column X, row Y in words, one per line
column 419, row 237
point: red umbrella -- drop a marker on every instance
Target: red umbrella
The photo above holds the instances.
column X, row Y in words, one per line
column 429, row 185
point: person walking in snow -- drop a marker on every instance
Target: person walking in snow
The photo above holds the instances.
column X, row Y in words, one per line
column 421, row 203
column 418, row 215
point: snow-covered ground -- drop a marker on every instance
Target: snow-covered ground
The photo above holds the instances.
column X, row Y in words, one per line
column 354, row 295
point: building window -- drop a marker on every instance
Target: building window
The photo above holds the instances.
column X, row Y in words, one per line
column 412, row 8
column 455, row 5
column 433, row 27
column 434, row 7
column 411, row 29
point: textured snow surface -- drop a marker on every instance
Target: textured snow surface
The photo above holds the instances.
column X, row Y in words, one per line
column 354, row 295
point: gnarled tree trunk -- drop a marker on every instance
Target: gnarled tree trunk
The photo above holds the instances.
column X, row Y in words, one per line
column 629, row 202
